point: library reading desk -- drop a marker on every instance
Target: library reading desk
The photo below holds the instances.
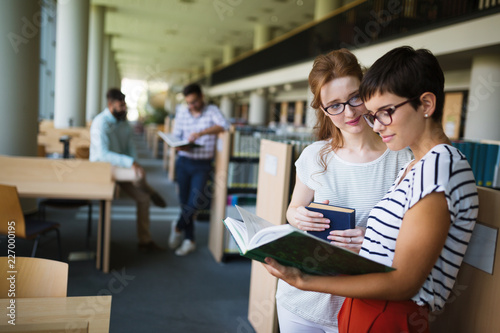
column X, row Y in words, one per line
column 38, row 177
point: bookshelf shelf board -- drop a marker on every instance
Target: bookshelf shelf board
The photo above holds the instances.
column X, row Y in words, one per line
column 244, row 159
column 242, row 190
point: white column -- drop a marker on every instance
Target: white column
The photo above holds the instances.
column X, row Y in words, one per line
column 262, row 34
column 310, row 112
column 324, row 7
column 227, row 107
column 170, row 102
column 20, row 61
column 71, row 63
column 118, row 77
column 227, row 54
column 483, row 113
column 111, row 69
column 209, row 66
column 106, row 49
column 196, row 73
column 47, row 59
column 95, row 62
column 257, row 109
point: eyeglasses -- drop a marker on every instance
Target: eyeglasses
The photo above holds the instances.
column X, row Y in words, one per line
column 338, row 108
column 384, row 116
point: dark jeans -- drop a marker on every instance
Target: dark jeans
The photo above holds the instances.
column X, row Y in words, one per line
column 191, row 176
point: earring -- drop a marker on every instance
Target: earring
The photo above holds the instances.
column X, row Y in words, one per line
column 426, row 115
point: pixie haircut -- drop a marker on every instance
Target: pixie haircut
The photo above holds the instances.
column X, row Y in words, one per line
column 408, row 73
column 192, row 88
column 114, row 94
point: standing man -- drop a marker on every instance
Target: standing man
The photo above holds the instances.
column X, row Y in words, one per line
column 199, row 123
column 111, row 141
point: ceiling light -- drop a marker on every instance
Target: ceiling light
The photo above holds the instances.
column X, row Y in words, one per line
column 274, row 18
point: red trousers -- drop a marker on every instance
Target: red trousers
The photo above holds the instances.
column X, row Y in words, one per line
column 374, row 316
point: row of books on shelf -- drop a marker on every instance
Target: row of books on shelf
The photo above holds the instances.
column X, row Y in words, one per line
column 484, row 158
column 241, row 200
column 246, row 141
column 243, row 174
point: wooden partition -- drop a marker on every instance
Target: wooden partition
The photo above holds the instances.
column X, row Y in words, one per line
column 168, row 126
column 219, row 200
column 57, row 314
column 474, row 303
column 273, row 193
column 156, row 139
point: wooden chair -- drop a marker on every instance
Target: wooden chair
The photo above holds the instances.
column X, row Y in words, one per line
column 34, row 277
column 32, row 229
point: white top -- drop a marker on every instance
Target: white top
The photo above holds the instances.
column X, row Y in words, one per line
column 353, row 185
column 443, row 169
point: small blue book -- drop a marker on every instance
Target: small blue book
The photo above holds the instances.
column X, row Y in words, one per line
column 341, row 218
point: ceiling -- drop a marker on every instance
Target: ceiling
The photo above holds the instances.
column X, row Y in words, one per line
column 171, row 40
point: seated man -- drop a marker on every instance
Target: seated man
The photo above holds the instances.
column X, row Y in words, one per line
column 111, row 141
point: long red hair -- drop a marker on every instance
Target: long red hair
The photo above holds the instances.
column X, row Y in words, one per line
column 336, row 64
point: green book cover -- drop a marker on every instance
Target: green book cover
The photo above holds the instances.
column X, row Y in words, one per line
column 257, row 239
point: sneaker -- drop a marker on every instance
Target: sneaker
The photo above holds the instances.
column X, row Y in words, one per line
column 158, row 200
column 175, row 238
column 186, row 247
column 149, row 247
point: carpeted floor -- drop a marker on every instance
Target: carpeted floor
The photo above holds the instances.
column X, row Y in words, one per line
column 155, row 292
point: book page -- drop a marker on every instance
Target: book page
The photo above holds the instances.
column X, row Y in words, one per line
column 238, row 231
column 172, row 140
column 270, row 234
column 253, row 222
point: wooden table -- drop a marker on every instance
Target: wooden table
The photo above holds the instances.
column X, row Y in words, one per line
column 37, row 177
column 56, row 314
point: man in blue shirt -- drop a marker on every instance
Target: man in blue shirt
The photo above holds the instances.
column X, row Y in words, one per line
column 111, row 141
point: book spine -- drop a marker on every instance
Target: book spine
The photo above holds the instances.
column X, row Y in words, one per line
column 490, row 164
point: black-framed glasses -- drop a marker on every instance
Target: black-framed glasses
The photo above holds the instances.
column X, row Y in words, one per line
column 338, row 108
column 384, row 116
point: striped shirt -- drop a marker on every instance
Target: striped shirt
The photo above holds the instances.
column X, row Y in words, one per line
column 187, row 124
column 355, row 185
column 442, row 169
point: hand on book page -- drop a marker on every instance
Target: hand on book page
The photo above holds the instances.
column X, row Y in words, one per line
column 293, row 247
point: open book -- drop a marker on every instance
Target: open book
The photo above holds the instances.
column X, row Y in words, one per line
column 257, row 239
column 174, row 141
